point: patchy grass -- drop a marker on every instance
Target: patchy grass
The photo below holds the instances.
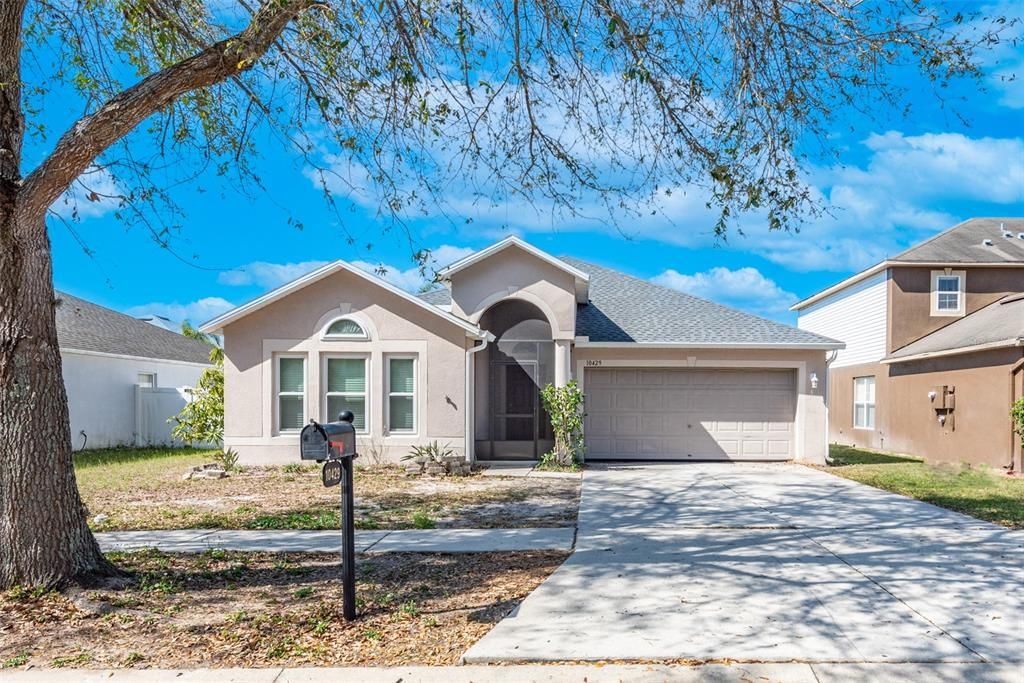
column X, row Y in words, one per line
column 236, row 609
column 976, row 491
column 143, row 489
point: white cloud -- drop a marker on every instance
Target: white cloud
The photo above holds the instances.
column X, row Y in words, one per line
column 1003, row 60
column 744, row 288
column 196, row 312
column 93, row 194
column 268, row 275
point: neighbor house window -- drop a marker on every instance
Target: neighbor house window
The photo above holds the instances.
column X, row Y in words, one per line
column 345, row 328
column 864, row 402
column 948, row 292
column 401, row 395
column 291, row 393
column 147, row 380
column 346, row 389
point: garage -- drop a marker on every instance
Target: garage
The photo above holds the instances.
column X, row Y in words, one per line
column 690, row 414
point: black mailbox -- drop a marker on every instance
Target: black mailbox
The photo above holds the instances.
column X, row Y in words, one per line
column 328, row 440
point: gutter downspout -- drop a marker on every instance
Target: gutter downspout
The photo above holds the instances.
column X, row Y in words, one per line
column 826, row 389
column 470, row 438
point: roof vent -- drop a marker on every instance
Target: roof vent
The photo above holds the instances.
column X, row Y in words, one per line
column 1007, row 234
column 1020, row 235
column 986, row 242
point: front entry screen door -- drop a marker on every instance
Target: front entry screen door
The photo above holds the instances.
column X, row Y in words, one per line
column 516, row 402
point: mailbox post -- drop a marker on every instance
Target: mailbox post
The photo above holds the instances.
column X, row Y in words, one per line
column 334, row 444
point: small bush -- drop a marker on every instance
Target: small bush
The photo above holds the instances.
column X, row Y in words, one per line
column 228, row 460
column 564, row 406
column 421, row 520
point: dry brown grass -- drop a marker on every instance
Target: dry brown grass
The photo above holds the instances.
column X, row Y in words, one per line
column 225, row 609
column 144, row 490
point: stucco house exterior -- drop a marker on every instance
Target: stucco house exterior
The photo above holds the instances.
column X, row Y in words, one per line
column 934, row 351
column 666, row 375
column 123, row 376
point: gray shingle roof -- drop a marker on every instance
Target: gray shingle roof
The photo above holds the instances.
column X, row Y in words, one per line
column 623, row 308
column 437, row 297
column 963, row 243
column 997, row 322
column 84, row 326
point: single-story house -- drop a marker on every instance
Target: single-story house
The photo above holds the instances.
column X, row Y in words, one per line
column 665, row 375
column 934, row 351
column 124, row 377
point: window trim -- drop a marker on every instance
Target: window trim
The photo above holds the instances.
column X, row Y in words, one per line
column 366, row 394
column 278, row 357
column 873, row 403
column 961, row 292
column 364, row 336
column 414, row 394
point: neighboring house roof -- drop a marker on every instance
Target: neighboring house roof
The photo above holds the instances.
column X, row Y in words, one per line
column 215, row 325
column 85, row 326
column 998, row 325
column 626, row 310
column 580, row 277
column 968, row 242
column 963, row 244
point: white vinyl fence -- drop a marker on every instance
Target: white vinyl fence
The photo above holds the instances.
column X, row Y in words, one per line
column 153, row 407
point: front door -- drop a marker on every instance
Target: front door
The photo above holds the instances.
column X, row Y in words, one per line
column 515, row 402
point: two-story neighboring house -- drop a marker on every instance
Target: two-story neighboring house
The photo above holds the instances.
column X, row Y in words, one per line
column 934, row 339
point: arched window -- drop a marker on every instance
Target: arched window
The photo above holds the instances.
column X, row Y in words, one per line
column 345, row 328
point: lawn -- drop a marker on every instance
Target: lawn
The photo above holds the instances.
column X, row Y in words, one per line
column 230, row 609
column 976, row 491
column 143, row 489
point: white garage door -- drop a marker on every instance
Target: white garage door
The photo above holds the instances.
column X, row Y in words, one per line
column 688, row 414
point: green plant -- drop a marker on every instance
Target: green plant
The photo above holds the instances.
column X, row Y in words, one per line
column 564, row 406
column 433, row 451
column 1017, row 416
column 228, row 460
column 202, row 418
column 304, row 592
column 20, row 659
column 421, row 520
column 133, row 658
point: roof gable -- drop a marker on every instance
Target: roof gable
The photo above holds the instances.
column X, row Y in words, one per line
column 580, row 277
column 218, row 323
column 85, row 326
column 976, row 240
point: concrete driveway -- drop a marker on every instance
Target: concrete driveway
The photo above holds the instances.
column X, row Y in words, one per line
column 768, row 563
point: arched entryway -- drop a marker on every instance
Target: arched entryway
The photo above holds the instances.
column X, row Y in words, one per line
column 510, row 420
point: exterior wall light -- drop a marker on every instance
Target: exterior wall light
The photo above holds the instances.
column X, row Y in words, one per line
column 814, row 380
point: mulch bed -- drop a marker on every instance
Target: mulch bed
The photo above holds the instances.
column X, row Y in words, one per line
column 230, row 609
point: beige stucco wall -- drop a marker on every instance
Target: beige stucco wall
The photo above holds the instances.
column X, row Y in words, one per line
column 811, row 417
column 514, row 273
column 294, row 324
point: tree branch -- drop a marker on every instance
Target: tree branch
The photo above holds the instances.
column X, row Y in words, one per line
column 92, row 134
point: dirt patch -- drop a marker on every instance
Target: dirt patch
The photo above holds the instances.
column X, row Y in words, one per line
column 224, row 609
column 294, row 498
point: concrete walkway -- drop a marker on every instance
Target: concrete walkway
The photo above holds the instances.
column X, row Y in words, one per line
column 407, row 540
column 717, row 673
column 769, row 563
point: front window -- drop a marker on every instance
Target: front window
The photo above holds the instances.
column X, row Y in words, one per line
column 147, row 380
column 864, row 402
column 947, row 293
column 291, row 393
column 346, row 389
column 345, row 328
column 401, row 395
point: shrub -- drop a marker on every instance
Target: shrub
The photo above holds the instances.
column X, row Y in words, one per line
column 564, row 406
column 1017, row 416
column 202, row 418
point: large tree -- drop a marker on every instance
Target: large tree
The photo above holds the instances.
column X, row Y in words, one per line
column 545, row 101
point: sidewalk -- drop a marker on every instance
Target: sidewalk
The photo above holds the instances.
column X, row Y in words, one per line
column 612, row 673
column 286, row 540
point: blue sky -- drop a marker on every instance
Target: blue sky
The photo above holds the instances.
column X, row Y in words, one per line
column 900, row 179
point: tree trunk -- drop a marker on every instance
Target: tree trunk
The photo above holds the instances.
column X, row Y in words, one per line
column 44, row 538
